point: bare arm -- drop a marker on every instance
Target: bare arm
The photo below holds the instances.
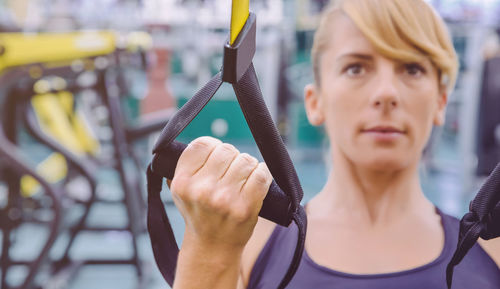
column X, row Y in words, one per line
column 195, row 262
column 261, row 234
column 219, row 192
column 244, row 262
column 200, row 266
column 492, row 247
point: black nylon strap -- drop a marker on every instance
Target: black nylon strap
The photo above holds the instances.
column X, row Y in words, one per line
column 162, row 237
column 266, row 136
column 273, row 151
column 300, row 218
column 188, row 112
column 482, row 220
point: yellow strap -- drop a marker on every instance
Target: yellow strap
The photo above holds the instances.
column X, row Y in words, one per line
column 239, row 15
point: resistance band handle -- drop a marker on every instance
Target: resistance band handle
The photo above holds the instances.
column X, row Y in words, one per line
column 482, row 220
column 276, row 206
column 238, row 56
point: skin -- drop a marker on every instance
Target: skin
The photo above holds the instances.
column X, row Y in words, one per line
column 373, row 194
column 371, row 208
column 219, row 192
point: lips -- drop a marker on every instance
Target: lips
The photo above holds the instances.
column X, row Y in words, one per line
column 384, row 129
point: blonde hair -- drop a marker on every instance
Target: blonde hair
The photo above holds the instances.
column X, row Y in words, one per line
column 404, row 30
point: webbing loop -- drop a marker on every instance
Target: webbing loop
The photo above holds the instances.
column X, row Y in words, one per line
column 482, row 220
column 282, row 202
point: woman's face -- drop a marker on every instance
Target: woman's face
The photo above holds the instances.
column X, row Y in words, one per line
column 377, row 112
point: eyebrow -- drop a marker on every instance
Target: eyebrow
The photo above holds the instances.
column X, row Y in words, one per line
column 363, row 56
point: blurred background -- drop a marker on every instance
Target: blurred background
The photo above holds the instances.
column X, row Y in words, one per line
column 86, row 86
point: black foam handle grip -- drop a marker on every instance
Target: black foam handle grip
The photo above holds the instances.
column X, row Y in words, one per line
column 276, row 206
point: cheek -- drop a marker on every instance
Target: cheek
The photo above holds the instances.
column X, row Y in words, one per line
column 342, row 112
column 340, row 107
column 422, row 110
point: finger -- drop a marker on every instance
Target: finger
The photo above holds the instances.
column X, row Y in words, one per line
column 240, row 169
column 257, row 184
column 195, row 155
column 219, row 161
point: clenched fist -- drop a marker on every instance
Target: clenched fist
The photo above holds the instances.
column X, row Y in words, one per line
column 219, row 192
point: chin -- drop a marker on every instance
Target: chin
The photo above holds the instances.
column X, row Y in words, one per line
column 383, row 162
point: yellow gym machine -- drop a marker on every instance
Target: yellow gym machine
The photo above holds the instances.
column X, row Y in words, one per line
column 41, row 74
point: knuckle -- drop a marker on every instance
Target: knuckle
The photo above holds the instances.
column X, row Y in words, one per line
column 201, row 191
column 229, row 148
column 241, row 214
column 260, row 176
column 179, row 184
column 204, row 187
column 221, row 201
column 203, row 143
column 248, row 159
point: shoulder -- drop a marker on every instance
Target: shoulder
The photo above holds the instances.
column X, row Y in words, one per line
column 492, row 247
column 262, row 231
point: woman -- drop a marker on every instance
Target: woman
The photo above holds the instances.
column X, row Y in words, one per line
column 383, row 70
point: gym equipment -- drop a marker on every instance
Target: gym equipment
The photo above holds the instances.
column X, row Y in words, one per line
column 10, row 214
column 482, row 220
column 42, row 93
column 56, row 48
column 488, row 144
column 280, row 206
column 21, row 64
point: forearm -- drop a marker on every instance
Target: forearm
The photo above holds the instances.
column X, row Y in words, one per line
column 202, row 266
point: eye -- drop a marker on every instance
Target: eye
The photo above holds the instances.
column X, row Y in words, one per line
column 355, row 69
column 414, row 69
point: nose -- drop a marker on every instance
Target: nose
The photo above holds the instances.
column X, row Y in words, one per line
column 385, row 93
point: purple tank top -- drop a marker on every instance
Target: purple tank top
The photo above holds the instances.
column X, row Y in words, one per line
column 477, row 270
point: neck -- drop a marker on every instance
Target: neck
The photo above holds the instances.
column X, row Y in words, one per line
column 372, row 197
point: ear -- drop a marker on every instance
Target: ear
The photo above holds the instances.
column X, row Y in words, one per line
column 439, row 117
column 313, row 104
